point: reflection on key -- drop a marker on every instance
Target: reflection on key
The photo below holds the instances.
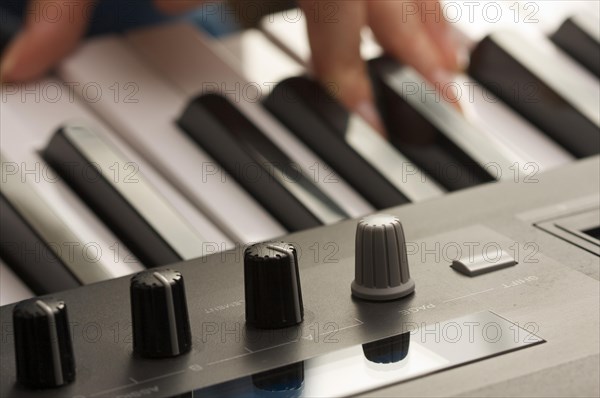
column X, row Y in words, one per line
column 37, row 244
column 130, row 205
column 352, row 148
column 431, row 132
column 529, row 147
column 550, row 90
column 261, row 62
column 257, row 164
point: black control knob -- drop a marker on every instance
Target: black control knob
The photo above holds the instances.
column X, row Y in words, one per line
column 161, row 326
column 43, row 347
column 272, row 286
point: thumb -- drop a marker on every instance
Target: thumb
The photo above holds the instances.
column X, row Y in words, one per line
column 52, row 30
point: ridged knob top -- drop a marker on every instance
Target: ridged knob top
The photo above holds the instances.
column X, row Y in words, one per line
column 43, row 347
column 271, row 251
column 381, row 263
column 272, row 286
column 159, row 314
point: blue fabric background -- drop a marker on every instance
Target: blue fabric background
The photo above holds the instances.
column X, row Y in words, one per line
column 120, row 15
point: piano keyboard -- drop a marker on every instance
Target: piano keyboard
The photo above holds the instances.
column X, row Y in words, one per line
column 163, row 144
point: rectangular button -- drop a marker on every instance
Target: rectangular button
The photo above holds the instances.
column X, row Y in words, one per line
column 482, row 264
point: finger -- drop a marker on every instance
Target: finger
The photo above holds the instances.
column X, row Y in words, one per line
column 52, row 30
column 334, row 34
column 173, row 7
column 408, row 40
column 439, row 30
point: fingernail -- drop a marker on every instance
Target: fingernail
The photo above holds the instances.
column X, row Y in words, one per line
column 444, row 82
column 463, row 57
column 366, row 109
column 459, row 49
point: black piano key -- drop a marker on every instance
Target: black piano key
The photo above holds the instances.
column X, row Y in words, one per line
column 322, row 124
column 420, row 139
column 576, row 41
column 29, row 256
column 506, row 77
column 96, row 187
column 256, row 163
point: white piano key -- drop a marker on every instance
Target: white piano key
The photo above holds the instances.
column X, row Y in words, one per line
column 526, row 143
column 282, row 27
column 26, row 127
column 83, row 265
column 472, row 21
column 12, row 289
column 417, row 185
column 522, row 142
column 287, row 29
column 146, row 120
column 28, row 124
column 258, row 59
column 198, row 65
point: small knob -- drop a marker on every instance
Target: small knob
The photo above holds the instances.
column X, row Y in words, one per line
column 381, row 264
column 43, row 347
column 161, row 326
column 389, row 350
column 272, row 286
column 284, row 379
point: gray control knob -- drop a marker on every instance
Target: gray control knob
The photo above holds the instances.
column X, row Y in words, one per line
column 381, row 263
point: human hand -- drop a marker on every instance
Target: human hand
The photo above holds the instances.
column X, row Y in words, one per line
column 413, row 31
column 46, row 39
